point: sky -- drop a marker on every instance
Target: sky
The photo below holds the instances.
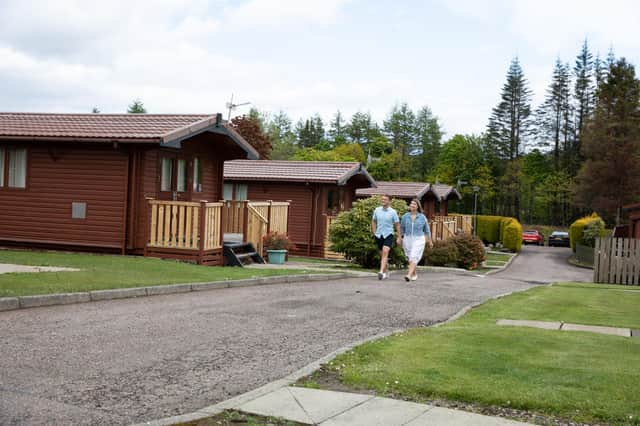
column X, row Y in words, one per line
column 298, row 56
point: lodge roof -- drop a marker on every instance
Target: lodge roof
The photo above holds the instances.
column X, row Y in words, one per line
column 165, row 129
column 410, row 190
column 295, row 171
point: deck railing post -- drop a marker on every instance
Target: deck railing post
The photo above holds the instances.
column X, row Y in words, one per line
column 269, row 219
column 147, row 224
column 202, row 229
column 245, row 220
column 223, row 220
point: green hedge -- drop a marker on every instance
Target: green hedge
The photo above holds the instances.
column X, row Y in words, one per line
column 507, row 230
column 576, row 230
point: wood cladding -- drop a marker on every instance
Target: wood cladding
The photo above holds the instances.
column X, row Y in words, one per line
column 57, row 176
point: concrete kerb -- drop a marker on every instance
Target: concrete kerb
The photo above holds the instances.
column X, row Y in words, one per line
column 238, row 400
column 506, row 265
column 24, row 302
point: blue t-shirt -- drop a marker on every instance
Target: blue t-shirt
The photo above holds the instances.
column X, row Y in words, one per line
column 385, row 218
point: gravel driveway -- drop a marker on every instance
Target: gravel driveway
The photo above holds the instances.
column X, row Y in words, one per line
column 127, row 361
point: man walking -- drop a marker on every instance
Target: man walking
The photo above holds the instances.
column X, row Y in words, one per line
column 382, row 224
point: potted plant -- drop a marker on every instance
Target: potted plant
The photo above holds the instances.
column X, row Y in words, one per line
column 277, row 244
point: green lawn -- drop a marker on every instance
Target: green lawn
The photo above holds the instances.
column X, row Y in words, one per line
column 580, row 376
column 499, row 257
column 100, row 272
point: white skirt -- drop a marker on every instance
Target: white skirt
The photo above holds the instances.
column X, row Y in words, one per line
column 413, row 248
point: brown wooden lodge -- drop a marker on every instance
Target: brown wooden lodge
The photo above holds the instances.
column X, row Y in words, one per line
column 185, row 187
column 126, row 183
column 317, row 191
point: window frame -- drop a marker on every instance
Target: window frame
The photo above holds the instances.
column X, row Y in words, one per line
column 6, row 153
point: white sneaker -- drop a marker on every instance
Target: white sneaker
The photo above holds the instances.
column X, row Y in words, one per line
column 385, row 276
column 415, row 277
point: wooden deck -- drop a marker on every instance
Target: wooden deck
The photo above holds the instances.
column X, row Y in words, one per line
column 194, row 231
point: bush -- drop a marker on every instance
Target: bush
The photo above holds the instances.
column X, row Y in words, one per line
column 495, row 229
column 470, row 251
column 512, row 234
column 350, row 234
column 441, row 254
column 488, row 228
column 593, row 225
column 464, row 251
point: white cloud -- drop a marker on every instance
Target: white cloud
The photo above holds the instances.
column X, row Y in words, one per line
column 276, row 13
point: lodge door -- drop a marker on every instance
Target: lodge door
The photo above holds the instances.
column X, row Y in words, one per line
column 174, row 178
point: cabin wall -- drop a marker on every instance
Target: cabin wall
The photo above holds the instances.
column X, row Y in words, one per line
column 57, row 175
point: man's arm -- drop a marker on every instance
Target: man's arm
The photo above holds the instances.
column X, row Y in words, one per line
column 373, row 226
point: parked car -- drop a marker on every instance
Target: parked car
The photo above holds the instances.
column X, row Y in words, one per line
column 559, row 239
column 532, row 237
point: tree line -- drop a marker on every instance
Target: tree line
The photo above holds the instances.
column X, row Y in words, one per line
column 576, row 152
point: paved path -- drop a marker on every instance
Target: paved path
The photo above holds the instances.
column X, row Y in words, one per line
column 328, row 408
column 126, row 361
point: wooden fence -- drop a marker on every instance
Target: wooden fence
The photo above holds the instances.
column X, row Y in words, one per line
column 328, row 254
column 445, row 227
column 617, row 261
column 185, row 225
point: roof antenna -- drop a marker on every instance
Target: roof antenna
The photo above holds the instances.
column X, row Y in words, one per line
column 231, row 106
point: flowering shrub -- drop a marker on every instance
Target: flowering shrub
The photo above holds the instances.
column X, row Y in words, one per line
column 350, row 234
column 277, row 241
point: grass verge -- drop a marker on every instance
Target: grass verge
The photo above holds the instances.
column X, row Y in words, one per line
column 577, row 376
column 101, row 272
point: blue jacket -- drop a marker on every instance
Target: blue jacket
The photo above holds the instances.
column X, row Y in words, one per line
column 417, row 228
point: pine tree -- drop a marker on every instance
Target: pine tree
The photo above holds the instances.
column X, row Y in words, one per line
column 610, row 175
column 400, row 129
column 429, row 137
column 137, row 107
column 554, row 116
column 584, row 94
column 507, row 131
column 363, row 130
column 338, row 129
column 510, row 120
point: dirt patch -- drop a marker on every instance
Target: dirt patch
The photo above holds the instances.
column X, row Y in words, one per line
column 236, row 418
column 329, row 379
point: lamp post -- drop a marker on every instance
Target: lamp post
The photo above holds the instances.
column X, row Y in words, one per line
column 476, row 189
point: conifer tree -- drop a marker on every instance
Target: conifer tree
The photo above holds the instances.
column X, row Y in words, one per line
column 338, row 129
column 554, row 116
column 510, row 120
column 610, row 175
column 584, row 94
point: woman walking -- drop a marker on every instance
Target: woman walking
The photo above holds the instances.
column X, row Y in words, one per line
column 415, row 233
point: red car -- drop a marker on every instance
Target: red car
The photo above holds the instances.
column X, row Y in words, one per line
column 532, row 237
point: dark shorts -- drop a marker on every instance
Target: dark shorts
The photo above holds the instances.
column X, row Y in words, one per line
column 384, row 241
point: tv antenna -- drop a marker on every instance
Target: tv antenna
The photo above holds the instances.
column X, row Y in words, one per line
column 231, row 106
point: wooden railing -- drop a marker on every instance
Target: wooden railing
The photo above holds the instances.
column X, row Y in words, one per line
column 328, row 254
column 234, row 213
column 257, row 226
column 185, row 225
column 445, row 227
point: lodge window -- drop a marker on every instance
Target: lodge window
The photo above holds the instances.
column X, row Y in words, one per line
column 13, row 167
column 235, row 191
column 181, row 184
column 166, row 177
column 197, row 175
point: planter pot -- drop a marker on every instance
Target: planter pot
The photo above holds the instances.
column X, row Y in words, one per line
column 277, row 256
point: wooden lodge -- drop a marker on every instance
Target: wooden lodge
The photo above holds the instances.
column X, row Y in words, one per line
column 317, row 192
column 434, row 198
column 124, row 183
column 632, row 229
